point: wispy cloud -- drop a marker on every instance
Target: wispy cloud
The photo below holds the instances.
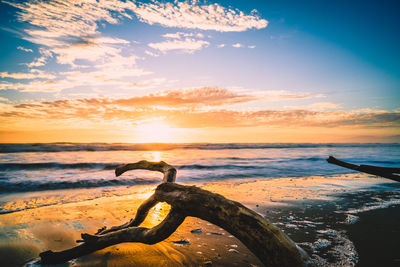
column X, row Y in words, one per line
column 33, row 74
column 237, row 45
column 321, row 106
column 188, row 45
column 192, row 15
column 42, row 60
column 36, row 86
column 5, row 100
column 184, row 108
column 195, row 97
column 274, row 95
column 147, row 52
column 179, row 35
column 68, row 32
column 24, row 49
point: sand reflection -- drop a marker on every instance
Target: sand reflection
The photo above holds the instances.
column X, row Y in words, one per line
column 157, row 214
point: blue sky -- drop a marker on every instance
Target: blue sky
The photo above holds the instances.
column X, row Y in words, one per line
column 317, row 63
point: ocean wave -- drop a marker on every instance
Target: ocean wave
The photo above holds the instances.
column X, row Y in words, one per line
column 6, row 167
column 28, row 186
column 111, row 166
column 56, row 165
column 218, row 167
column 63, row 147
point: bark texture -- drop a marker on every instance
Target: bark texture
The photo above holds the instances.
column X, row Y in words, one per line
column 390, row 173
column 261, row 237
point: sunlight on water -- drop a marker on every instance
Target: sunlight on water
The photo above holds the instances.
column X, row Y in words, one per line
column 156, row 155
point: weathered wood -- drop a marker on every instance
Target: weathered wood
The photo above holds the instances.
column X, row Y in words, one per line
column 265, row 240
column 386, row 172
column 168, row 171
column 94, row 243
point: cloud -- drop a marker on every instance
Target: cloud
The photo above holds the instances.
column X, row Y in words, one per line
column 42, row 60
column 321, row 106
column 185, row 108
column 221, row 45
column 195, row 97
column 179, row 35
column 70, row 29
column 36, row 86
column 251, row 46
column 182, row 99
column 68, row 32
column 191, row 15
column 188, row 44
column 33, row 74
column 5, row 100
column 275, row 95
column 24, row 49
column 237, row 45
column 63, row 19
column 151, row 53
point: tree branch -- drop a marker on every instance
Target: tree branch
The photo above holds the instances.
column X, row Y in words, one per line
column 264, row 239
column 168, row 171
column 390, row 173
column 141, row 214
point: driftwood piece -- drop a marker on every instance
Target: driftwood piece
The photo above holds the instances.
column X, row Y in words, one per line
column 261, row 237
column 386, row 172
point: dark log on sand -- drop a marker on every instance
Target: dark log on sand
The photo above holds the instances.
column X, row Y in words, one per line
column 261, row 237
column 390, row 173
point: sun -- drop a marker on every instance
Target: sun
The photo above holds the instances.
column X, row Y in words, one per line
column 155, row 132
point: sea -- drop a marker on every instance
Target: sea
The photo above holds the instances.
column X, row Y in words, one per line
column 52, row 166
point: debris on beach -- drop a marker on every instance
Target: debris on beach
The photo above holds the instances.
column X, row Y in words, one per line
column 215, row 233
column 322, row 243
column 351, row 219
column 181, row 242
column 196, row 231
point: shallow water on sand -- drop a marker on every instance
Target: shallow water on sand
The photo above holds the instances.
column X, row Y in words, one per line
column 320, row 213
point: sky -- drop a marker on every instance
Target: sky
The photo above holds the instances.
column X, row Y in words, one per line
column 199, row 71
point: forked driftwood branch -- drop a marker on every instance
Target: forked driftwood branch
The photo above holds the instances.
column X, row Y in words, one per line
column 390, row 173
column 261, row 237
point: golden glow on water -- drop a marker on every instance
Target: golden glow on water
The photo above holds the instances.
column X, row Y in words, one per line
column 156, row 156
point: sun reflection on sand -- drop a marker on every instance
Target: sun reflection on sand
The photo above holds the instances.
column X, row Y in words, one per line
column 157, row 214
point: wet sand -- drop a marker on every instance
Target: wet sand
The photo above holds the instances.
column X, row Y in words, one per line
column 327, row 215
column 376, row 237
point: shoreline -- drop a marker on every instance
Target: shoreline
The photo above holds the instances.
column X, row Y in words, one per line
column 306, row 208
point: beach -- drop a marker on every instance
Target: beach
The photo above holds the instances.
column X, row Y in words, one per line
column 51, row 193
column 331, row 217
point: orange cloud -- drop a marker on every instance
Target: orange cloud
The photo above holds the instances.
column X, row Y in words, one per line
column 186, row 109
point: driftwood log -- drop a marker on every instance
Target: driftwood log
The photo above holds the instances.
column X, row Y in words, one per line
column 386, row 172
column 266, row 241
